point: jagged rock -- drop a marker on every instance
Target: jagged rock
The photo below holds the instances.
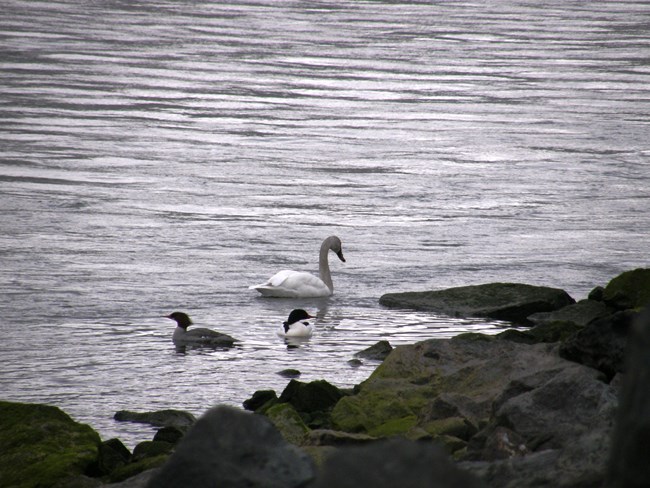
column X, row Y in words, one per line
column 260, row 399
column 513, row 302
column 161, row 418
column 328, row 437
column 629, row 290
column 169, row 434
column 113, row 454
column 42, row 445
column 628, row 463
column 601, row 344
column 311, row 397
column 580, row 313
column 377, row 351
column 150, row 449
column 471, row 375
column 229, row 447
column 287, row 420
column 393, row 463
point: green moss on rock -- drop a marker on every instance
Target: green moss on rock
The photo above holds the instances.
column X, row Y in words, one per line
column 41, row 445
column 138, row 467
column 288, row 422
column 393, row 427
column 630, row 289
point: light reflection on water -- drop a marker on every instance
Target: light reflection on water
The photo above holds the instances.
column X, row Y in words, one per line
column 158, row 158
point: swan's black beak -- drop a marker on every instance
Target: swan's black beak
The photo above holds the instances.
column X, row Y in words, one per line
column 340, row 255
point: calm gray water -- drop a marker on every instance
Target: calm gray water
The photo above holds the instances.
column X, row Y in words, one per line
column 161, row 156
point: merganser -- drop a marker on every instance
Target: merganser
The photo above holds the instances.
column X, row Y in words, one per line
column 200, row 336
column 296, row 325
column 299, row 284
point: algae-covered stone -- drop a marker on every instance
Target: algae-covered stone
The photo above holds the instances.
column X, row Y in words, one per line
column 150, row 449
column 41, row 444
column 377, row 351
column 580, row 313
column 629, row 290
column 310, row 397
column 261, row 400
column 503, row 301
column 287, row 420
column 161, row 418
column 436, row 379
column 132, row 469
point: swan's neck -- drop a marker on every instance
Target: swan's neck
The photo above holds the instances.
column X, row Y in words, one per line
column 324, row 266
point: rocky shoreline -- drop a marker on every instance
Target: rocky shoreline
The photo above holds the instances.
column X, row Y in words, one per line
column 526, row 407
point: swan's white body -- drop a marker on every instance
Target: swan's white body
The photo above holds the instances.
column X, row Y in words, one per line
column 299, row 284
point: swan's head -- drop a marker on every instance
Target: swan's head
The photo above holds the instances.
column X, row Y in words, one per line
column 181, row 318
column 335, row 246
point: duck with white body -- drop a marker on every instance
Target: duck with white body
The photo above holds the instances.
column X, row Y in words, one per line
column 297, row 325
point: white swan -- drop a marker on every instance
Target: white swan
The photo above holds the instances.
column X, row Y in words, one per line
column 197, row 337
column 297, row 325
column 298, row 284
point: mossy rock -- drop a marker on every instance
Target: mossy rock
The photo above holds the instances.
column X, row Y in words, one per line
column 149, row 449
column 473, row 336
column 113, row 454
column 513, row 302
column 261, row 400
column 288, row 421
column 311, row 397
column 368, row 412
column 629, row 290
column 394, row 427
column 42, row 444
column 137, row 467
column 451, row 444
column 554, row 331
column 450, row 426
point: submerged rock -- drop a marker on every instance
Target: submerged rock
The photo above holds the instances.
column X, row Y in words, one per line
column 161, row 418
column 42, row 445
column 513, row 302
column 377, row 351
column 229, row 447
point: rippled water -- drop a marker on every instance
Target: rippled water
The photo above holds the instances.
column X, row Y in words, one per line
column 163, row 156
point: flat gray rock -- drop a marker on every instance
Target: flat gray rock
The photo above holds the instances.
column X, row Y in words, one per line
column 513, row 302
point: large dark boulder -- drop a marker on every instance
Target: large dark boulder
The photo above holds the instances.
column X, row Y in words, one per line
column 229, row 447
column 41, row 445
column 513, row 302
column 393, row 463
column 629, row 290
column 601, row 344
column 316, row 396
column 628, row 464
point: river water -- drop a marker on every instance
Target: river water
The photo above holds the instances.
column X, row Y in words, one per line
column 161, row 156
